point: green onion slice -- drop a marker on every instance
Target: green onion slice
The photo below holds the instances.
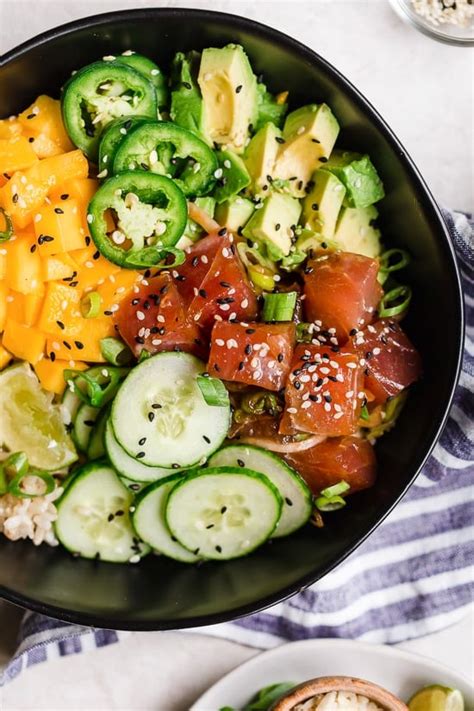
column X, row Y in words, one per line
column 395, row 302
column 364, row 413
column 333, row 503
column 96, row 389
column 156, row 258
column 90, row 304
column 213, row 391
column 336, row 489
column 15, row 486
column 144, row 355
column 115, row 351
column 279, row 307
column 261, row 279
column 6, row 234
column 16, row 464
column 3, row 481
column 394, row 259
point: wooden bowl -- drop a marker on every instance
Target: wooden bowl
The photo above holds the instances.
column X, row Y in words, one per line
column 324, row 684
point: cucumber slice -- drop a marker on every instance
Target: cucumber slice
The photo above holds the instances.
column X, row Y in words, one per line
column 149, row 521
column 126, row 465
column 223, row 513
column 83, row 425
column 297, row 499
column 160, row 417
column 30, row 422
column 69, row 406
column 93, row 516
column 96, row 446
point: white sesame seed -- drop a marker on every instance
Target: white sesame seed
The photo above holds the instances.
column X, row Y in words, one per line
column 90, row 218
column 160, row 318
column 271, row 364
column 140, row 315
column 337, row 407
column 340, row 378
column 218, row 173
column 153, row 157
column 351, row 365
column 56, row 346
column 224, row 307
column 325, row 371
column 204, row 259
column 219, row 342
column 327, row 406
column 376, row 351
column 305, row 378
column 254, row 362
column 362, row 362
column 227, row 164
column 292, row 410
column 300, row 131
column 338, row 415
column 361, row 395
column 276, row 277
column 196, row 167
column 64, row 304
column 108, row 58
column 103, row 173
column 232, row 343
column 156, row 342
column 225, row 253
column 154, row 72
column 305, row 405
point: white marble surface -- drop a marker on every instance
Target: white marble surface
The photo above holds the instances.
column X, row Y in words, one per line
column 424, row 90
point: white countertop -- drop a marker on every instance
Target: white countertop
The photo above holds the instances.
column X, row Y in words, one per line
column 424, row 90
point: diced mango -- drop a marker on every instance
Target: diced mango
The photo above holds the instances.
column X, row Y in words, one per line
column 61, row 305
column 16, row 154
column 61, row 266
column 10, row 127
column 59, row 228
column 3, row 262
column 44, row 117
column 86, row 343
column 32, row 304
column 15, row 306
column 57, row 169
column 25, row 342
column 22, row 196
column 43, row 146
column 51, row 373
column 117, row 286
column 81, row 189
column 5, row 357
column 93, row 269
column 3, row 304
column 23, row 264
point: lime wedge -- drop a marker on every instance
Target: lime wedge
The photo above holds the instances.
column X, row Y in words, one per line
column 437, row 698
column 30, row 422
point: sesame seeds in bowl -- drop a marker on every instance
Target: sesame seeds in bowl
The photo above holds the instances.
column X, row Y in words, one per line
column 448, row 21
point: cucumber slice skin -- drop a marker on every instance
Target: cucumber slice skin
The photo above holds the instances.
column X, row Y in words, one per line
column 82, row 432
column 210, row 549
column 70, row 404
column 186, row 449
column 96, row 446
column 66, row 506
column 152, row 501
column 128, row 467
column 296, row 495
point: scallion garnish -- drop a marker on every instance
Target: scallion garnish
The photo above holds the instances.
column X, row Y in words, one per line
column 96, row 389
column 115, row 351
column 364, row 413
column 6, row 234
column 395, row 302
column 90, row 304
column 15, row 486
column 333, row 503
column 261, row 278
column 213, row 391
column 303, row 332
column 16, row 464
column 279, row 307
column 391, row 261
column 336, row 489
column 144, row 355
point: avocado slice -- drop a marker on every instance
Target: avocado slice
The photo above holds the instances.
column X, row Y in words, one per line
column 232, row 175
column 229, row 91
column 234, row 213
column 260, row 157
column 193, row 231
column 186, row 102
column 322, row 204
column 269, row 109
column 358, row 174
column 274, row 224
column 355, row 233
column 310, row 133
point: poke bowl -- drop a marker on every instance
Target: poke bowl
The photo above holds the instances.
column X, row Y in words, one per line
column 232, row 319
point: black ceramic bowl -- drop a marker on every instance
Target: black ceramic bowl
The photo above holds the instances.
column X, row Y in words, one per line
column 161, row 594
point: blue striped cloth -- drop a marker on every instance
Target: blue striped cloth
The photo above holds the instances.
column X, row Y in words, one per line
column 413, row 576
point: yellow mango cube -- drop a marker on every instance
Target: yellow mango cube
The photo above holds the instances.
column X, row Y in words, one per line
column 23, row 269
column 25, row 342
column 50, row 372
column 60, row 310
column 44, row 117
column 16, row 154
column 5, row 357
column 22, row 196
column 58, row 228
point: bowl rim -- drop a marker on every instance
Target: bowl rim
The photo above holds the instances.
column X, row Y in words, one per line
column 428, row 205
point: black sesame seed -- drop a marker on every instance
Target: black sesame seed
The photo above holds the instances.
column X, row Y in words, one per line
column 222, row 231
column 216, row 367
column 250, row 330
column 134, row 487
column 96, row 255
column 241, row 462
column 248, row 349
column 277, row 226
column 315, row 140
column 353, row 332
column 238, row 89
column 300, row 184
column 279, row 139
column 323, row 159
column 313, row 398
column 140, row 455
column 110, row 517
column 142, row 441
column 195, row 261
column 79, row 345
column 89, row 423
column 225, row 284
column 87, row 240
column 328, row 398
column 31, row 139
column 139, row 340
column 315, row 206
column 223, row 509
column 297, row 385
column 206, row 439
column 52, row 356
column 31, row 116
column 203, row 293
column 324, row 245
column 319, row 382
column 369, row 355
column 58, row 211
column 175, row 466
column 61, row 325
column 108, row 313
column 218, row 549
column 68, row 345
column 33, row 248
column 211, row 525
column 280, row 357
column 332, row 378
column 156, row 406
column 288, row 501
column 47, row 238
column 187, row 85
column 241, row 365
column 15, row 198
column 151, row 416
